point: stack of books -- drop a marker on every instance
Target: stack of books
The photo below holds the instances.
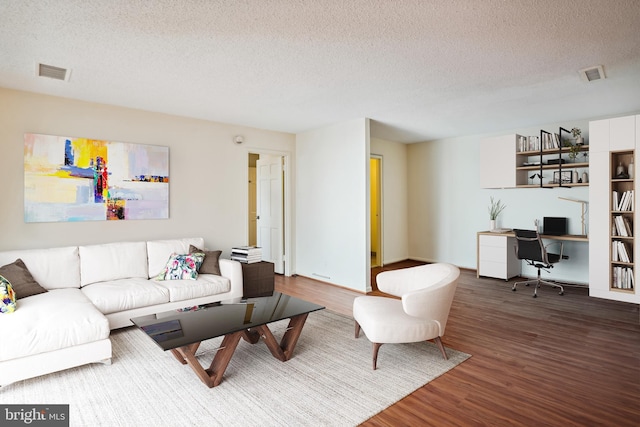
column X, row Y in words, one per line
column 246, row 254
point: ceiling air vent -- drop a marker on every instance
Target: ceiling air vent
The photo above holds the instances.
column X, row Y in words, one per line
column 52, row 72
column 592, row 73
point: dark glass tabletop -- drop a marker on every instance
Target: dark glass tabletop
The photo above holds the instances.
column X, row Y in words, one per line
column 181, row 327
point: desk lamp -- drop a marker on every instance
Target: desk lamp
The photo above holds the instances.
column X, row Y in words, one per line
column 583, row 210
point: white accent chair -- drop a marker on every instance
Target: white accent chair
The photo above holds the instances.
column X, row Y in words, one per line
column 421, row 314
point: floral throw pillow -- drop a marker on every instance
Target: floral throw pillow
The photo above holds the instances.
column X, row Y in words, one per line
column 181, row 267
column 7, row 297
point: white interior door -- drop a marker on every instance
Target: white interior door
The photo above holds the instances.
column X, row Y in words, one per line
column 270, row 210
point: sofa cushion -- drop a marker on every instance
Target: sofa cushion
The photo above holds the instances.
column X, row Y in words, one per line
column 112, row 261
column 182, row 267
column 23, row 283
column 159, row 251
column 205, row 285
column 7, row 298
column 54, row 268
column 210, row 265
column 46, row 322
column 125, row 294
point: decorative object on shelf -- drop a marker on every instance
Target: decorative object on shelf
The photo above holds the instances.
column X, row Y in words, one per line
column 574, row 150
column 563, row 177
column 620, row 173
column 576, row 132
column 534, row 176
column 575, row 176
column 630, row 170
column 495, row 208
column 585, row 154
column 585, row 177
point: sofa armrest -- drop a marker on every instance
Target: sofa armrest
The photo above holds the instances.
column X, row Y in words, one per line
column 232, row 270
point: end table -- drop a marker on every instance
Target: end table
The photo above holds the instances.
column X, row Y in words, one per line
column 258, row 279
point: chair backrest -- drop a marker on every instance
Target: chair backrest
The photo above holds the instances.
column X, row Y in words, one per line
column 530, row 246
column 432, row 300
column 401, row 281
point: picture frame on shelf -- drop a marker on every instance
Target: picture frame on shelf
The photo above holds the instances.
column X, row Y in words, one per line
column 562, row 177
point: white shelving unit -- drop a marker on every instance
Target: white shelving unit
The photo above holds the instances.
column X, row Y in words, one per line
column 613, row 142
column 506, row 163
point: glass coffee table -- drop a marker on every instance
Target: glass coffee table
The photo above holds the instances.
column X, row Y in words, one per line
column 181, row 331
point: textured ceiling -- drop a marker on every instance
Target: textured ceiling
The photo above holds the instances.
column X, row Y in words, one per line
column 420, row 69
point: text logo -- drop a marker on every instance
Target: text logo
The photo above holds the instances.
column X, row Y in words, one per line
column 34, row 415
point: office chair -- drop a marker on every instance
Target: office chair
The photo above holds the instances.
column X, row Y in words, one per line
column 531, row 249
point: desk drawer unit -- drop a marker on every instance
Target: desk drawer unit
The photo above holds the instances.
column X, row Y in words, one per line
column 497, row 257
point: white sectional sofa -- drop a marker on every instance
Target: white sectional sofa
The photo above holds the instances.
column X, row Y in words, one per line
column 92, row 290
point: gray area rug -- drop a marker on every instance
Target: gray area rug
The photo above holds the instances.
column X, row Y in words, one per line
column 328, row 382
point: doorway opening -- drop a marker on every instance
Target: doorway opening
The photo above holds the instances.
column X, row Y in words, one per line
column 375, row 178
column 267, row 207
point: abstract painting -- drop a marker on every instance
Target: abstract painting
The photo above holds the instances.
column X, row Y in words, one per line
column 80, row 179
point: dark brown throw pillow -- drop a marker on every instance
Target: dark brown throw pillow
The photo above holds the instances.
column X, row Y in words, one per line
column 23, row 283
column 210, row 265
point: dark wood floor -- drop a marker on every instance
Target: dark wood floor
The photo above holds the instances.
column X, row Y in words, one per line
column 554, row 360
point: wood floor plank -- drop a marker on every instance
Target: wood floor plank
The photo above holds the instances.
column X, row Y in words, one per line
column 569, row 360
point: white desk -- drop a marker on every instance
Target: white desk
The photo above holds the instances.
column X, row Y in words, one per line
column 497, row 258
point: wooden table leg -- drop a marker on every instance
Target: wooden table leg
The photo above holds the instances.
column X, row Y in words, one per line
column 212, row 376
column 251, row 336
column 284, row 350
column 191, row 348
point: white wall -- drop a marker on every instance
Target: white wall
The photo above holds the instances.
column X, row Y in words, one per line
column 332, row 204
column 208, row 171
column 395, row 234
column 447, row 207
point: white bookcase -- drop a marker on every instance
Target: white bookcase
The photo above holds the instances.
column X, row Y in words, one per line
column 613, row 142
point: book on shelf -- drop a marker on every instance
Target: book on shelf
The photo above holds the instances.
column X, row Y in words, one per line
column 528, row 143
column 620, row 228
column 620, row 252
column 550, row 141
column 628, row 226
column 624, row 202
column 623, row 278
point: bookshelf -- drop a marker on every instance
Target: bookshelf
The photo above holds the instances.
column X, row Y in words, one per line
column 621, row 222
column 544, row 161
column 516, row 161
column 614, row 143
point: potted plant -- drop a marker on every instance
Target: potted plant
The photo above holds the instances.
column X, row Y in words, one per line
column 574, row 150
column 495, row 208
column 576, row 132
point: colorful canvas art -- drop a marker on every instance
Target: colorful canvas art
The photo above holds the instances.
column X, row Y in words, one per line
column 80, row 179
